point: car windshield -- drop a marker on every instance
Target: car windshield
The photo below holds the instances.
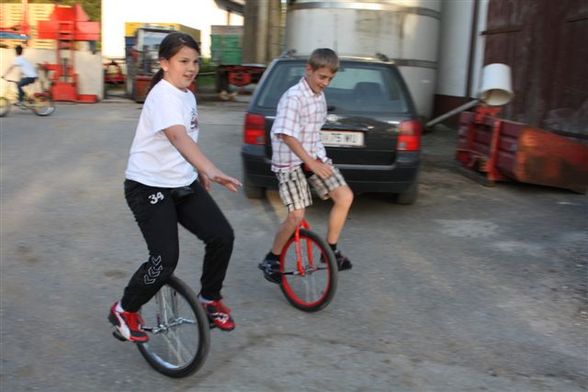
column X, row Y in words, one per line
column 356, row 88
column 150, row 39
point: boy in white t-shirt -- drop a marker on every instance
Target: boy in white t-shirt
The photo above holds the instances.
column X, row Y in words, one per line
column 27, row 71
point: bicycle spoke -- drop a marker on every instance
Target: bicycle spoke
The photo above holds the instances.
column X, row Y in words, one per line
column 311, row 289
column 308, row 279
column 171, row 336
column 176, row 348
column 178, row 330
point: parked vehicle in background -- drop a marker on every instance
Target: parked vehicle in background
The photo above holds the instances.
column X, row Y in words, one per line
column 372, row 133
column 142, row 47
column 226, row 51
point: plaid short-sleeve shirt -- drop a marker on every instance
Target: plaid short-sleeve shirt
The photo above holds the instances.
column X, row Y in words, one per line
column 301, row 114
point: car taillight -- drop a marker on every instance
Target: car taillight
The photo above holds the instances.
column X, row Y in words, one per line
column 409, row 135
column 254, row 130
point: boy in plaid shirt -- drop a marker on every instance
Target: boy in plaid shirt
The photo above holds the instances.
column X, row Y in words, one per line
column 299, row 158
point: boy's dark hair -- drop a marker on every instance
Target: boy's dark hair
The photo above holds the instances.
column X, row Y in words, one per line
column 171, row 44
column 18, row 49
column 324, row 57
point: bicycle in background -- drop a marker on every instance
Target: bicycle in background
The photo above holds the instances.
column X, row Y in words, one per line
column 39, row 102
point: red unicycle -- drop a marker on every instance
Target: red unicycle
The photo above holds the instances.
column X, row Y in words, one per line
column 308, row 270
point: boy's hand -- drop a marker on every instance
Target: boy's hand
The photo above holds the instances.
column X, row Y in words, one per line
column 323, row 170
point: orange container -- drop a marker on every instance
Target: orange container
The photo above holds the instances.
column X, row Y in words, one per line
column 506, row 150
column 87, row 98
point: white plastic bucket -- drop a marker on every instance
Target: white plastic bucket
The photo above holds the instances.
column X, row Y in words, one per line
column 496, row 87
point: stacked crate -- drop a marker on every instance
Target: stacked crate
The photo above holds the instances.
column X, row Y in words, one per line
column 11, row 14
column 226, row 44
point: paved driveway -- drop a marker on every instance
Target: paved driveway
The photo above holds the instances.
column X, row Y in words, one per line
column 470, row 289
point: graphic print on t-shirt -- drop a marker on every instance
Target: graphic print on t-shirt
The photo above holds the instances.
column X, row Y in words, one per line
column 194, row 122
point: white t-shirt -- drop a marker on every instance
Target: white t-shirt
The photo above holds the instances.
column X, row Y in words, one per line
column 153, row 160
column 26, row 68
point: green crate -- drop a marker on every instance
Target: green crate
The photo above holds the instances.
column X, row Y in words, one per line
column 222, row 42
column 232, row 42
column 226, row 57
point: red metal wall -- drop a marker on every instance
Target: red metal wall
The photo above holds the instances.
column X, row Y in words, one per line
column 545, row 42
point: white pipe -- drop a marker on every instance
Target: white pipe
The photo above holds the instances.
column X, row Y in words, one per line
column 452, row 112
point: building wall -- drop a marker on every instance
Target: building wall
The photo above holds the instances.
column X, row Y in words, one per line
column 199, row 14
column 544, row 42
column 461, row 59
column 11, row 15
column 264, row 31
column 406, row 31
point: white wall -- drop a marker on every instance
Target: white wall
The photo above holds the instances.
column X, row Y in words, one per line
column 456, row 28
column 366, row 28
column 198, row 14
column 480, row 47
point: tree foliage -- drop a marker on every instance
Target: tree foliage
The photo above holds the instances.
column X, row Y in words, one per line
column 93, row 8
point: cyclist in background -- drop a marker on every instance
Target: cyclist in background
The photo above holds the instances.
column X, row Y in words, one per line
column 27, row 71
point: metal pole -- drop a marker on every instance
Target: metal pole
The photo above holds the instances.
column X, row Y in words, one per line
column 453, row 112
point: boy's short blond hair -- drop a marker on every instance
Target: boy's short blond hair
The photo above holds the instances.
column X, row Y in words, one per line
column 324, row 57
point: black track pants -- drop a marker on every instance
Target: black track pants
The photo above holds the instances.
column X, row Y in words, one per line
column 158, row 215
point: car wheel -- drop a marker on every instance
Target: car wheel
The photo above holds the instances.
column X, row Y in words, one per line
column 410, row 195
column 253, row 192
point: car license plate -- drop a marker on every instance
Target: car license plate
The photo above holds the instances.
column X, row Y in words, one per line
column 342, row 138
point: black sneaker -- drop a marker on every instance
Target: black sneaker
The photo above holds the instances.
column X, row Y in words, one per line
column 343, row 262
column 271, row 270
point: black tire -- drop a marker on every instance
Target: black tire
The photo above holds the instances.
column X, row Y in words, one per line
column 408, row 197
column 313, row 290
column 42, row 105
column 179, row 330
column 130, row 80
column 221, row 81
column 411, row 194
column 253, row 192
column 4, row 106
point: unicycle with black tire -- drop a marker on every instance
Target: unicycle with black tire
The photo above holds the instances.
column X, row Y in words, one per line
column 178, row 329
column 308, row 270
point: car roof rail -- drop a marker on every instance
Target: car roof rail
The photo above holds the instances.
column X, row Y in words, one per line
column 382, row 57
column 288, row 53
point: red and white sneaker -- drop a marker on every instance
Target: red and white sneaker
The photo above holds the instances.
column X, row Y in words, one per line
column 128, row 325
column 218, row 314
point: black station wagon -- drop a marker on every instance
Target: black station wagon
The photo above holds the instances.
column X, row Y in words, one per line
column 372, row 133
